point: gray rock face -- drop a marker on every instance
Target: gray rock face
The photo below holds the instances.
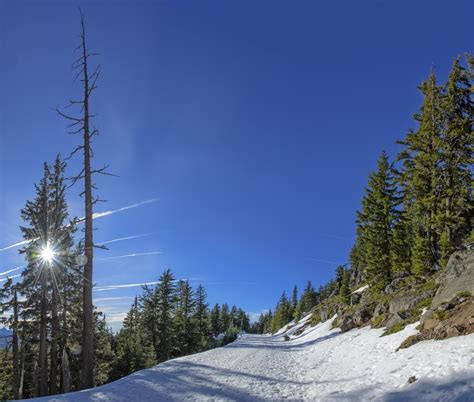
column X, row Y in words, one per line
column 356, row 319
column 457, row 277
column 407, row 302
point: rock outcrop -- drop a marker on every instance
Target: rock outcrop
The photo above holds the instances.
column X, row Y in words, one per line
column 458, row 277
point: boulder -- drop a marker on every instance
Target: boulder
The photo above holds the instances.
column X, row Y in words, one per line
column 407, row 302
column 381, row 308
column 457, row 277
column 356, row 319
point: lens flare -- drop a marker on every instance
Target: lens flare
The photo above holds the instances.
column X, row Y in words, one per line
column 47, row 254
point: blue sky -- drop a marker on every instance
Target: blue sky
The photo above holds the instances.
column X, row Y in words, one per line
column 253, row 125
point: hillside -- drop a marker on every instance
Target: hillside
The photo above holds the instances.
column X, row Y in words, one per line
column 318, row 364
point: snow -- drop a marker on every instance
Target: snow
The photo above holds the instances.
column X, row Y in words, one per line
column 360, row 290
column 319, row 364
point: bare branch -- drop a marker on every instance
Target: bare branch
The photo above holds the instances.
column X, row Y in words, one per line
column 74, row 179
column 68, row 117
column 101, row 246
column 78, row 148
column 103, row 171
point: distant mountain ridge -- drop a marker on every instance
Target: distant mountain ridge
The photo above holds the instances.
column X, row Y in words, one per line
column 4, row 334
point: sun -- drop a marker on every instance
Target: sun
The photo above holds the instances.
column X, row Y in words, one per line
column 47, row 254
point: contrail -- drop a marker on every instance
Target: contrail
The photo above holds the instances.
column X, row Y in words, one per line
column 130, row 255
column 125, row 238
column 8, row 277
column 128, row 285
column 98, row 215
column 11, row 270
column 131, row 285
column 94, row 216
column 15, row 245
column 113, row 298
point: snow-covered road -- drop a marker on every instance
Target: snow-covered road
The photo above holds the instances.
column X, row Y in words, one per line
column 319, row 364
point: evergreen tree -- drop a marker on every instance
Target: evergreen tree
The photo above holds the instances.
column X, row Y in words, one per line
column 422, row 179
column 202, row 319
column 456, row 147
column 375, row 224
column 344, row 290
column 308, row 299
column 165, row 303
column 216, row 324
column 225, row 317
column 186, row 328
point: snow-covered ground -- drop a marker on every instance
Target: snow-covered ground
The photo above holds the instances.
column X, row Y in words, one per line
column 319, row 364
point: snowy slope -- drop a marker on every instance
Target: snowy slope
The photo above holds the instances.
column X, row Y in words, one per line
column 319, row 364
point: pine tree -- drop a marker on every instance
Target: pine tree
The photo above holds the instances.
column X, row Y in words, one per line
column 225, row 317
column 103, row 354
column 422, row 179
column 308, row 299
column 216, row 324
column 49, row 265
column 294, row 301
column 202, row 319
column 375, row 224
column 344, row 290
column 456, row 147
column 165, row 303
column 186, row 328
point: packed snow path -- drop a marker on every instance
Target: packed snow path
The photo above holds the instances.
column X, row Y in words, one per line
column 319, row 364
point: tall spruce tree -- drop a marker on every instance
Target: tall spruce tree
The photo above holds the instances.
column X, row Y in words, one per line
column 422, row 179
column 165, row 304
column 202, row 319
column 456, row 148
column 186, row 327
column 375, row 224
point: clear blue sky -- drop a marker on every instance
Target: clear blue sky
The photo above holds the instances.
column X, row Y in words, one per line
column 255, row 124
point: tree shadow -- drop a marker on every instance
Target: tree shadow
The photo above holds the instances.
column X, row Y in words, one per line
column 458, row 388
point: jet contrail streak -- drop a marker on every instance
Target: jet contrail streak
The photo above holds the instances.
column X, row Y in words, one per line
column 128, row 285
column 11, row 270
column 130, row 255
column 15, row 245
column 100, row 299
column 114, row 211
column 94, row 216
column 131, row 285
column 125, row 238
column 8, row 277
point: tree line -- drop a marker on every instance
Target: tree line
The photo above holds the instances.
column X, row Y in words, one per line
column 417, row 209
column 172, row 320
column 44, row 310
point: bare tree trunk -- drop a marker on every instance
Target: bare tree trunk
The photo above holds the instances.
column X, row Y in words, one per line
column 66, row 374
column 16, row 374
column 22, row 363
column 83, row 125
column 88, row 338
column 43, row 346
column 53, row 375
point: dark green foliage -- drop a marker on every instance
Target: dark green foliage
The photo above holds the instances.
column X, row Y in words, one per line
column 344, row 290
column 375, row 224
column 309, row 298
column 283, row 313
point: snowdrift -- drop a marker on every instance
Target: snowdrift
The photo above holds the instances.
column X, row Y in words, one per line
column 320, row 363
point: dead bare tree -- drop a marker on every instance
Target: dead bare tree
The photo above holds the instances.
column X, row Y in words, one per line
column 82, row 125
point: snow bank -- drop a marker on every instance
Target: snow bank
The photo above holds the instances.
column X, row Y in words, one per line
column 321, row 363
column 360, row 290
